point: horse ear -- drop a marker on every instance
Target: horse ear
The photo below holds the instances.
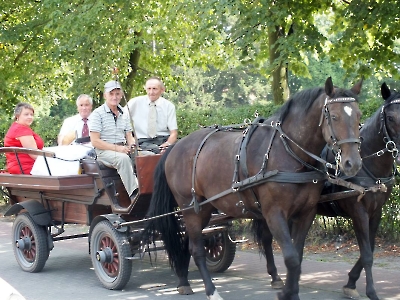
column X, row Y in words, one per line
column 329, row 87
column 357, row 87
column 385, row 91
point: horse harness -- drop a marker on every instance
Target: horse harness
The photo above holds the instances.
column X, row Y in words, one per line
column 315, row 175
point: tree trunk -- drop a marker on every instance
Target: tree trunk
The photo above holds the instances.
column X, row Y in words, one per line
column 134, row 57
column 280, row 87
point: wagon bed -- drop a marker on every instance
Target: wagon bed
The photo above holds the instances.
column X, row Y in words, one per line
column 80, row 198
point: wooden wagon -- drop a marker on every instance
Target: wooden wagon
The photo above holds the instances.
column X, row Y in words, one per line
column 43, row 205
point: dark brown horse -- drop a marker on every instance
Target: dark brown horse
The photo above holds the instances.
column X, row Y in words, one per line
column 380, row 136
column 269, row 171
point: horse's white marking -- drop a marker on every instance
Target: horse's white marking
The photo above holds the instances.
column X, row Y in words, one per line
column 348, row 110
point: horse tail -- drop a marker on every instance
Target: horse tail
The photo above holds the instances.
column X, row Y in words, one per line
column 163, row 202
column 257, row 227
column 262, row 235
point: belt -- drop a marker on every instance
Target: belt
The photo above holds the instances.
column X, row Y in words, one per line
column 119, row 144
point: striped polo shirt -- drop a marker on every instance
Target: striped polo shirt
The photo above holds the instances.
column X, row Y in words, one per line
column 112, row 128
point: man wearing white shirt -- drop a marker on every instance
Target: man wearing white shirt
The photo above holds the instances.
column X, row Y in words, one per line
column 77, row 124
column 166, row 129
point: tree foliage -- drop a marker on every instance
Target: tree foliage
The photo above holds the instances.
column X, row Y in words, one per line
column 365, row 37
column 52, row 50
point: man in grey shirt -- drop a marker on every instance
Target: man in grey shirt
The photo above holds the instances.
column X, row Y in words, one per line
column 111, row 136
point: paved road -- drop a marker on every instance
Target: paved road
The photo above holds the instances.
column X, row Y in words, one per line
column 68, row 274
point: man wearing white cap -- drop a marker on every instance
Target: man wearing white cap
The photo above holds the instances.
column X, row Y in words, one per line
column 111, row 136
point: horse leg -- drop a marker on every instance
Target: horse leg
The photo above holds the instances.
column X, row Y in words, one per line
column 373, row 228
column 280, row 230
column 276, row 282
column 299, row 230
column 194, row 224
column 196, row 246
column 263, row 237
column 365, row 232
column 183, row 271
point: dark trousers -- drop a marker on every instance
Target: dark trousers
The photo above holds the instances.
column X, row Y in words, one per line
column 153, row 144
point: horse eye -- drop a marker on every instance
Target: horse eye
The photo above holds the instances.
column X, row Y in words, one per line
column 390, row 118
column 334, row 117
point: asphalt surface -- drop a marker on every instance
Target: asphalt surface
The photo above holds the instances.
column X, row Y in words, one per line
column 68, row 274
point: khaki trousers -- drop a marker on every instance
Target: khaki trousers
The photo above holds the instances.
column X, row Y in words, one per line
column 121, row 162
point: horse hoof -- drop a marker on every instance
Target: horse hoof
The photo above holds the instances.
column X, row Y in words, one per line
column 351, row 293
column 277, row 285
column 185, row 290
column 215, row 296
column 281, row 296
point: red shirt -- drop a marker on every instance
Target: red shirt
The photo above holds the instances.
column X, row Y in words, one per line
column 10, row 140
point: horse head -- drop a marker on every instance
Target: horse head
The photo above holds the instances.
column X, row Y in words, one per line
column 340, row 120
column 390, row 118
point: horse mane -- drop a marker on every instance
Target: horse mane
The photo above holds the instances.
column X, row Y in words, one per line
column 304, row 99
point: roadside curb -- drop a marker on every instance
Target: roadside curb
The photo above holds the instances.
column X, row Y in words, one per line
column 8, row 292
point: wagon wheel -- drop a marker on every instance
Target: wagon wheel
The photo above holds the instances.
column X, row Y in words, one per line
column 30, row 240
column 108, row 249
column 220, row 252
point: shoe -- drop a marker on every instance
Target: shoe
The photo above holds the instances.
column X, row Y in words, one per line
column 134, row 194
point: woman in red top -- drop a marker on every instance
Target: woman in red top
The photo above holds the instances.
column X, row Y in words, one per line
column 20, row 134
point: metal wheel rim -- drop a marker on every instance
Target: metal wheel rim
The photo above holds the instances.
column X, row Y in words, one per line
column 110, row 269
column 27, row 257
column 215, row 251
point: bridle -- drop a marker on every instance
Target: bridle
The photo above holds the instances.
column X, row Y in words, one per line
column 335, row 146
column 390, row 145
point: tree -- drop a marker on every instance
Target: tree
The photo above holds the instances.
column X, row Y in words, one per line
column 51, row 50
column 58, row 49
column 366, row 37
column 214, row 88
column 285, row 33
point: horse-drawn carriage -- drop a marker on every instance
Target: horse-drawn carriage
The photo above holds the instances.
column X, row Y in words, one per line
column 271, row 171
column 96, row 197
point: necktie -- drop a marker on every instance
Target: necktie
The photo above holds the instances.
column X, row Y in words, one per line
column 152, row 120
column 85, row 128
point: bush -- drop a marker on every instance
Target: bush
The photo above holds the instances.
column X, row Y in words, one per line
column 192, row 120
